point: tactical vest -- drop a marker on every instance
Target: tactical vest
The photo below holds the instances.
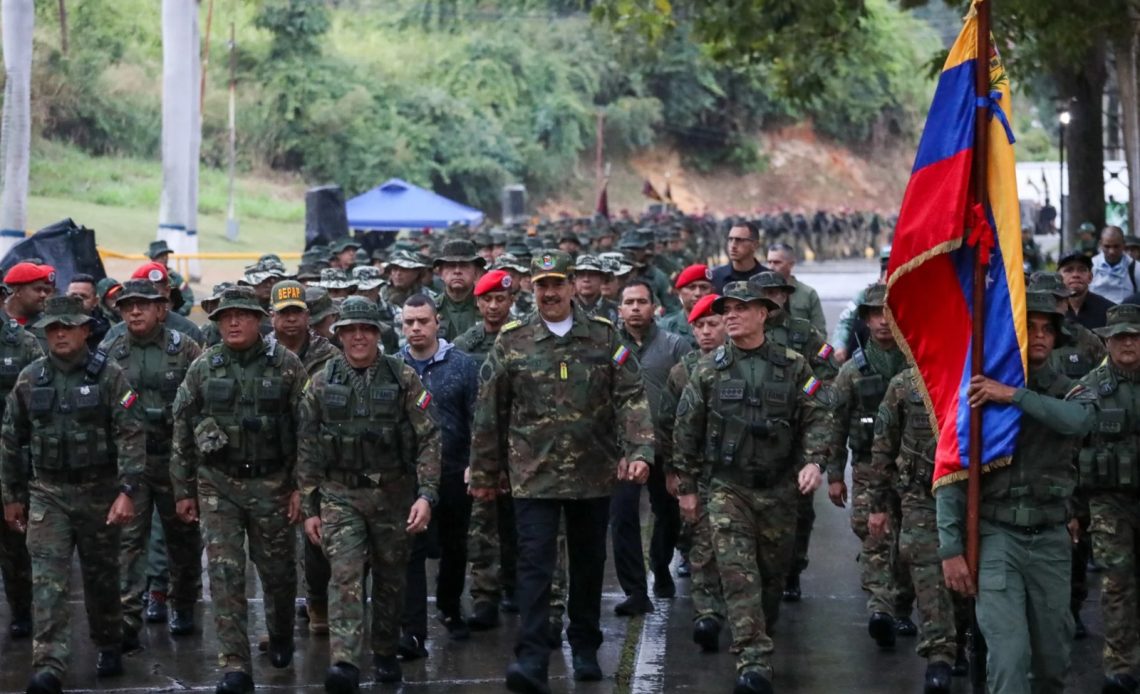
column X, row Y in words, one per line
column 251, row 406
column 869, row 388
column 366, row 435
column 918, row 445
column 71, row 438
column 1108, row 463
column 1070, row 361
column 156, row 388
column 12, row 358
column 1034, row 490
column 749, row 438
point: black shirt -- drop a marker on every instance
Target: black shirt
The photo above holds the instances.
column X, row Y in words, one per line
column 1093, row 313
column 723, row 274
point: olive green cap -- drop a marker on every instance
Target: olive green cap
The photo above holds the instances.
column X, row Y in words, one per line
column 407, row 260
column 509, row 261
column 874, row 296
column 1051, row 282
column 287, row 294
column 459, row 251
column 551, row 263
column 141, row 290
column 157, row 248
column 742, row 291
column 320, row 304
column 367, row 277
column 1123, row 319
column 344, row 244
column 242, row 298
column 64, row 309
column 358, row 310
column 771, row 280
column 1042, row 302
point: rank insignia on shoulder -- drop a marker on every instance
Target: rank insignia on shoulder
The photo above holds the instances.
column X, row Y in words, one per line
column 510, row 326
column 825, row 351
column 621, row 355
column 811, row 386
column 423, row 400
column 128, row 399
column 603, row 319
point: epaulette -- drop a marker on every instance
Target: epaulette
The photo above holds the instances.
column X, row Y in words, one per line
column 512, row 325
column 602, row 319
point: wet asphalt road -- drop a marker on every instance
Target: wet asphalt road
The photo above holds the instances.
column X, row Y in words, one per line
column 821, row 642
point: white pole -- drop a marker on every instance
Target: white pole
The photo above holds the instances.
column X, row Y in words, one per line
column 18, row 20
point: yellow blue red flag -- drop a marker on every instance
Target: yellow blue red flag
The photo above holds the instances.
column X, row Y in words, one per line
column 930, row 276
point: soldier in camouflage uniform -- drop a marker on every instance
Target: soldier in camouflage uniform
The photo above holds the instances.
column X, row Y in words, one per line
column 1025, row 504
column 367, row 445
column 520, row 282
column 18, row 348
column 290, row 319
column 71, row 421
column 567, row 392
column 155, row 359
column 235, row 447
column 589, row 277
column 902, row 468
column 459, row 266
column 403, row 272
column 704, row 588
column 859, row 389
column 749, row 413
column 799, row 335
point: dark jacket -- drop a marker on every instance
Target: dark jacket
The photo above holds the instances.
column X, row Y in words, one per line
column 723, row 274
column 1094, row 311
column 452, row 378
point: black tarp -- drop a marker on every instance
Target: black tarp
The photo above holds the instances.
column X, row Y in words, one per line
column 325, row 217
column 64, row 245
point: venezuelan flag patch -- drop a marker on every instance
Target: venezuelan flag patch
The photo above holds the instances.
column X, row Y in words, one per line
column 423, row 400
column 811, row 386
column 621, row 355
column 128, row 399
column 825, row 351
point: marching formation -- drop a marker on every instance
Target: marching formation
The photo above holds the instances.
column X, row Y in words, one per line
column 498, row 400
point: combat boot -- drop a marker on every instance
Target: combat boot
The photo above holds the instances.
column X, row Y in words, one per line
column 586, row 668
column 44, row 683
column 1119, row 683
column 411, row 647
column 280, row 651
column 881, row 627
column 706, row 634
column 792, row 588
column 181, row 622
column 342, row 678
column 527, row 679
column 905, row 627
column 155, row 607
column 633, row 606
column 456, row 626
column 663, row 585
column 485, row 616
column 20, row 626
column 109, row 663
column 318, row 617
column 235, row 683
column 387, row 668
column 938, row 677
column 752, row 682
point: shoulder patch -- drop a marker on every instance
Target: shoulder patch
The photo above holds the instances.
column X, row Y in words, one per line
column 811, row 386
column 621, row 354
column 128, row 399
column 825, row 351
column 510, row 326
column 423, row 400
column 602, row 319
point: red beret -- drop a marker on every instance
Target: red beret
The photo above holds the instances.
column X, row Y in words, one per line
column 493, row 281
column 693, row 273
column 703, row 308
column 26, row 273
column 153, row 272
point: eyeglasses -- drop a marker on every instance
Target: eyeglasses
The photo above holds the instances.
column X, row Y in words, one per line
column 740, row 239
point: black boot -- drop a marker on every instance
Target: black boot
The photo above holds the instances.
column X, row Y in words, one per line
column 938, row 677
column 342, row 678
column 485, row 616
column 881, row 627
column 663, row 585
column 905, row 627
column 280, row 651
column 961, row 663
column 44, row 683
column 411, row 647
column 21, row 626
column 181, row 622
column 1119, row 684
column 586, row 668
column 752, row 682
column 109, row 663
column 706, row 634
column 235, row 683
column 155, row 607
column 792, row 588
column 525, row 679
column 387, row 668
column 633, row 606
column 456, row 626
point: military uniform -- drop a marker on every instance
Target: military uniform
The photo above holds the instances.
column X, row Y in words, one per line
column 456, row 317
column 677, row 323
column 18, row 348
column 801, row 336
column 747, row 414
column 601, row 308
column 234, row 451
column 901, row 470
column 74, row 424
column 155, row 365
column 369, row 447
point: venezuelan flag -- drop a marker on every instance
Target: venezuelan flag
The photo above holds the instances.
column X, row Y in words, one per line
column 930, row 276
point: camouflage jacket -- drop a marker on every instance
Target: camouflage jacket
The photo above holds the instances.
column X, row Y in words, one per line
column 173, row 321
column 476, row 342
column 314, row 457
column 804, row 303
column 859, row 388
column 456, row 317
column 902, row 455
column 559, row 412
column 801, row 336
column 18, row 348
column 670, row 397
column 601, row 308
column 246, row 368
column 1078, row 352
column 37, row 333
column 155, row 366
column 809, row 419
column 523, row 306
column 113, row 412
column 182, row 287
column 316, row 352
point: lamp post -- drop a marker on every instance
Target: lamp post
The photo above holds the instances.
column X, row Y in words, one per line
column 1064, row 118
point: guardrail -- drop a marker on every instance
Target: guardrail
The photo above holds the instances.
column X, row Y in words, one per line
column 181, row 261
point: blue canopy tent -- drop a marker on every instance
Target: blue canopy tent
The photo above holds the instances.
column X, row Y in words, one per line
column 398, row 204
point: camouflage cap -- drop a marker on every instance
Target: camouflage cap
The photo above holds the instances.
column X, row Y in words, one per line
column 742, row 291
column 616, row 263
column 241, row 298
column 105, row 285
column 64, row 309
column 551, row 263
column 287, row 294
column 321, row 305
column 1123, row 319
column 335, row 278
column 519, row 250
column 1042, row 302
column 140, row 290
column 590, row 263
column 771, row 280
column 341, row 245
column 459, row 251
column 367, row 277
column 634, row 240
column 262, row 270
column 1044, row 281
column 407, row 260
column 157, row 248
column 874, row 296
column 358, row 310
column 509, row 261
column 215, row 295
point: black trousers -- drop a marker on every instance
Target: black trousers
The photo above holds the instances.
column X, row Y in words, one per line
column 625, row 531
column 446, row 538
column 537, row 523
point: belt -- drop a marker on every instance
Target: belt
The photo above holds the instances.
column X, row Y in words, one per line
column 245, row 471
column 106, row 473
column 1027, row 529
column 355, row 480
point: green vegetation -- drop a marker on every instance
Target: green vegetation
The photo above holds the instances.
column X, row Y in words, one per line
column 456, row 95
